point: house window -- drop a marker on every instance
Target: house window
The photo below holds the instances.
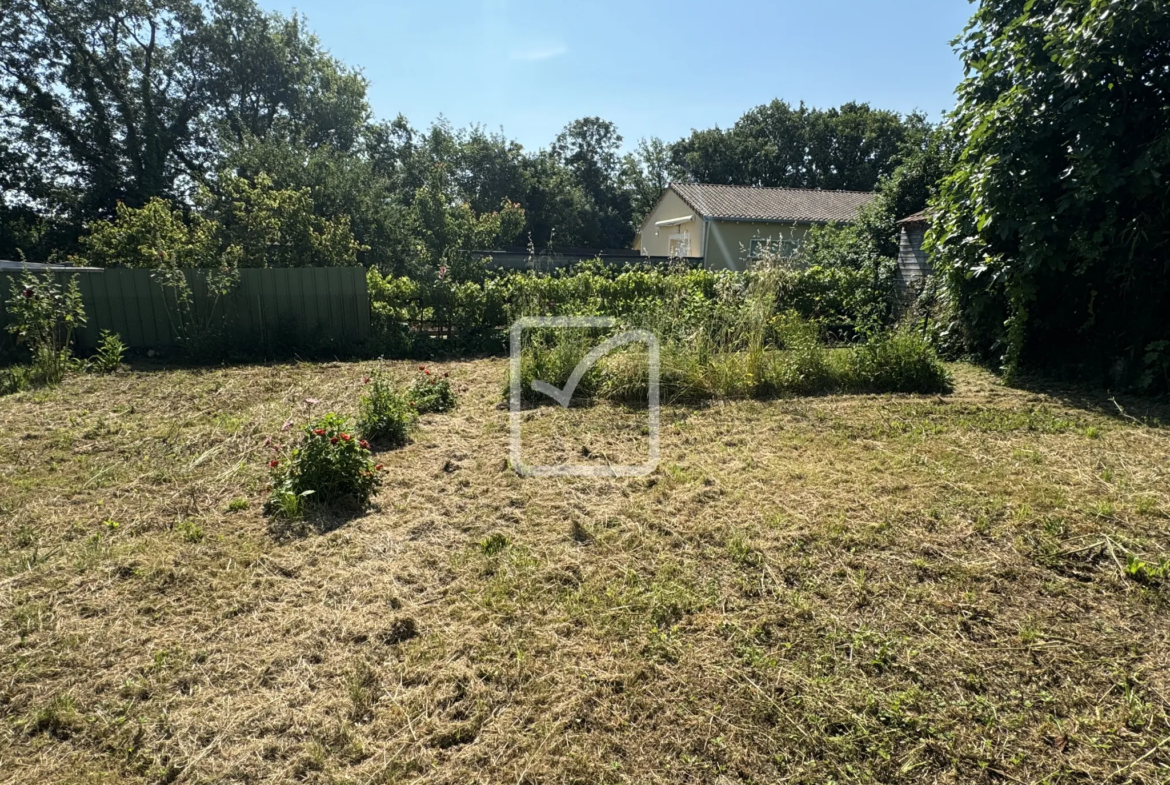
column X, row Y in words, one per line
column 680, row 244
column 784, row 249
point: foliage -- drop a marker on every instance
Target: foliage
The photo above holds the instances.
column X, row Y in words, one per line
column 121, row 101
column 329, row 466
column 850, row 148
column 430, row 392
column 264, row 226
column 154, row 236
column 110, row 351
column 42, row 316
column 898, row 361
column 1054, row 226
column 386, row 416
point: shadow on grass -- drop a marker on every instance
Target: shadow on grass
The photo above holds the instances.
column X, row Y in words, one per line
column 1123, row 407
column 316, row 520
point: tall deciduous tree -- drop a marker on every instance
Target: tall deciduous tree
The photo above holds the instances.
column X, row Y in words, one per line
column 118, row 100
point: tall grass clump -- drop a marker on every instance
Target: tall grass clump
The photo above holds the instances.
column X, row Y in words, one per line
column 551, row 355
column 899, row 361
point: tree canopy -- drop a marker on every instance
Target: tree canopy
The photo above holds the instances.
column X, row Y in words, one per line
column 1054, row 227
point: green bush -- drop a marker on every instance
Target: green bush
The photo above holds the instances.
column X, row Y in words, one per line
column 330, row 466
column 430, row 392
column 43, row 316
column 386, row 416
column 673, row 301
column 900, row 361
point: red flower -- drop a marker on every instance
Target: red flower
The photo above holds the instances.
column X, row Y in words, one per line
column 366, row 380
column 320, row 431
column 333, row 440
column 345, row 437
column 364, row 444
column 428, row 373
column 446, row 374
column 28, row 293
column 378, row 467
column 422, row 367
column 412, row 404
column 273, row 464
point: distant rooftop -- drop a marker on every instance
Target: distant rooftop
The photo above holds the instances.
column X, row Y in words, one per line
column 921, row 217
column 743, row 202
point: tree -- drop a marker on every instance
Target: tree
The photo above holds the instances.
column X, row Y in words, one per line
column 646, row 173
column 777, row 145
column 243, row 224
column 446, row 227
column 343, row 184
column 590, row 149
column 119, row 101
column 264, row 226
column 1054, row 228
column 155, row 236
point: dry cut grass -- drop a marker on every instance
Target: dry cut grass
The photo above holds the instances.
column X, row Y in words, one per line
column 861, row 589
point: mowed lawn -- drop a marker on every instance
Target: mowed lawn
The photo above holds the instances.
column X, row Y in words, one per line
column 839, row 589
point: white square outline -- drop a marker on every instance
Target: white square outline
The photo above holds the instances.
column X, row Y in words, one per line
column 516, row 333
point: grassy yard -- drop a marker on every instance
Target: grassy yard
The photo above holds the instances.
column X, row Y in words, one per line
column 861, row 589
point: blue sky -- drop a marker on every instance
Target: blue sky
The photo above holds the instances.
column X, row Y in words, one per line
column 655, row 68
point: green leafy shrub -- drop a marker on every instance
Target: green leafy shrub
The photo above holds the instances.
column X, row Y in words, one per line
column 15, row 379
column 430, row 392
column 110, row 351
column 43, row 316
column 386, row 416
column 1052, row 229
column 330, row 466
column 900, row 361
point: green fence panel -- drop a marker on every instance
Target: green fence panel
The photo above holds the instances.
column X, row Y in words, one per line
column 272, row 308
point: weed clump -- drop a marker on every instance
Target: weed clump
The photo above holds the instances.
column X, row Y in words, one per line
column 430, row 392
column 386, row 416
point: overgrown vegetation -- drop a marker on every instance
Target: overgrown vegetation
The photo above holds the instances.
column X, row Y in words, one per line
column 1054, row 226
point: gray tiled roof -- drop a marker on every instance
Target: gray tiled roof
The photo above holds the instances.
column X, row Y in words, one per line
column 772, row 204
column 922, row 217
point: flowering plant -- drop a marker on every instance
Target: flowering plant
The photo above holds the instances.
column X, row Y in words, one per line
column 385, row 415
column 43, row 316
column 431, row 392
column 329, row 466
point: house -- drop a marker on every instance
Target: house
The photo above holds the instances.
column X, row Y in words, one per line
column 913, row 266
column 727, row 226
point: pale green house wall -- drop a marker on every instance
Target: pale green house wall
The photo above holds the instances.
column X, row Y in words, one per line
column 728, row 242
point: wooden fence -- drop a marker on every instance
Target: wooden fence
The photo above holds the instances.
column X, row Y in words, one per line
column 286, row 308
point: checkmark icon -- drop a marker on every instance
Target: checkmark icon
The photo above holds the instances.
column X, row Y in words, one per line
column 564, row 396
